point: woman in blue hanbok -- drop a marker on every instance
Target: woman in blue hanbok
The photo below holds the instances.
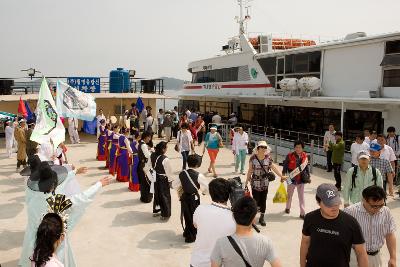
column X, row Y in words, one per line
column 125, row 150
column 45, row 181
column 102, row 141
column 133, row 175
column 113, row 150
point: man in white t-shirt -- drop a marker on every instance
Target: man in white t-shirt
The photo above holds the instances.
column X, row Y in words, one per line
column 212, row 221
column 358, row 146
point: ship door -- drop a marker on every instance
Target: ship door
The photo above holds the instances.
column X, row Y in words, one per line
column 235, row 104
column 280, row 71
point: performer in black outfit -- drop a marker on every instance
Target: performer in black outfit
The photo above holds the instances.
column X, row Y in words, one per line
column 188, row 184
column 144, row 156
column 163, row 174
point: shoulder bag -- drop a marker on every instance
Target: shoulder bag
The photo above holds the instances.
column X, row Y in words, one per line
column 238, row 251
column 269, row 175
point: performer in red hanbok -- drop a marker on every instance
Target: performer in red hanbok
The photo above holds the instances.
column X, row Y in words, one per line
column 114, row 150
column 102, row 140
column 133, row 176
column 125, row 152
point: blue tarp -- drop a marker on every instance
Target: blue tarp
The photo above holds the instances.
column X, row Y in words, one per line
column 90, row 126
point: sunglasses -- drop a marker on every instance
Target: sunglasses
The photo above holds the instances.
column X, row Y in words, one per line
column 263, row 147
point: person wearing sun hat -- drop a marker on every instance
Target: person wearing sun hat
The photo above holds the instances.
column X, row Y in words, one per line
column 360, row 177
column 46, row 180
column 212, row 142
column 259, row 174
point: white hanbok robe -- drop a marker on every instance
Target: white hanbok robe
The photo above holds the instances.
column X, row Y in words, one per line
column 9, row 132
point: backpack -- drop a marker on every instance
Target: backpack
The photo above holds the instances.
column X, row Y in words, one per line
column 236, row 190
column 353, row 176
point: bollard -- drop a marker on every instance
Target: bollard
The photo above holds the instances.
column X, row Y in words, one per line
column 276, row 148
column 311, row 155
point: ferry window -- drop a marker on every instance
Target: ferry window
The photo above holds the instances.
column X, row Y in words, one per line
column 211, row 76
column 314, row 61
column 289, row 63
column 278, row 78
column 268, row 65
column 272, row 80
column 227, row 75
column 235, row 73
column 199, row 77
column 218, row 75
column 393, row 47
column 281, row 65
column 194, row 77
column 206, row 75
column 301, row 63
column 391, row 78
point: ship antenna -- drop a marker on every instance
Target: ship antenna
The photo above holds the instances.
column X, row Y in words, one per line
column 242, row 19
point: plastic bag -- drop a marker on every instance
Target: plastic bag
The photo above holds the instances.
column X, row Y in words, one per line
column 280, row 195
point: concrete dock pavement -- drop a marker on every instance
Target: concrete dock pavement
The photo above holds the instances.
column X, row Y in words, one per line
column 119, row 230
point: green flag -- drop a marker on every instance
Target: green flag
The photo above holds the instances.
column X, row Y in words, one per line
column 48, row 123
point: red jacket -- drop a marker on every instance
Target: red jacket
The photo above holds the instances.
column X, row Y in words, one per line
column 291, row 163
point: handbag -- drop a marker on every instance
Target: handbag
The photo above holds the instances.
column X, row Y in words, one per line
column 238, row 251
column 269, row 175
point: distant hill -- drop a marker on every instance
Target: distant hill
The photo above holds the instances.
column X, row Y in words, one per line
column 172, row 83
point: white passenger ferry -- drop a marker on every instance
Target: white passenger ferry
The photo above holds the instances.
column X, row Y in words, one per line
column 297, row 86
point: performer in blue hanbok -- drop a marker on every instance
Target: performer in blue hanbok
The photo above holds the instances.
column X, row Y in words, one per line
column 133, row 175
column 114, row 150
column 44, row 182
column 102, row 140
column 123, row 162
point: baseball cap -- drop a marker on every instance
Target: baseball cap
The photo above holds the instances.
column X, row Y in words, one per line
column 363, row 155
column 329, row 195
column 375, row 147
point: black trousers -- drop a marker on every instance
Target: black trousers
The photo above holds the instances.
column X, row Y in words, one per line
column 336, row 172
column 145, row 195
column 188, row 206
column 329, row 160
column 261, row 198
column 160, row 129
column 200, row 137
column 162, row 196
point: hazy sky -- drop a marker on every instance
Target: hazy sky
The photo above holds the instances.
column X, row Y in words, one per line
column 160, row 37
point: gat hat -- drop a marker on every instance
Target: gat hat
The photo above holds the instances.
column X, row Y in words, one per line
column 262, row 143
column 375, row 147
column 329, row 195
column 46, row 177
column 363, row 155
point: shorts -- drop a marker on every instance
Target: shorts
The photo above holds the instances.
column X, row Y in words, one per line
column 213, row 154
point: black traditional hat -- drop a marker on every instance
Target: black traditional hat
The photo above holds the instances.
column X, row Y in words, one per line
column 46, row 177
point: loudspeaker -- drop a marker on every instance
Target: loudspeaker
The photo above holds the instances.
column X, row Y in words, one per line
column 148, row 86
column 5, row 87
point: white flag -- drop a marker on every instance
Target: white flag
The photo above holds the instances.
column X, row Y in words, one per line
column 71, row 103
column 48, row 123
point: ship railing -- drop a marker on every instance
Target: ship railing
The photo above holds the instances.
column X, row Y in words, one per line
column 286, row 138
